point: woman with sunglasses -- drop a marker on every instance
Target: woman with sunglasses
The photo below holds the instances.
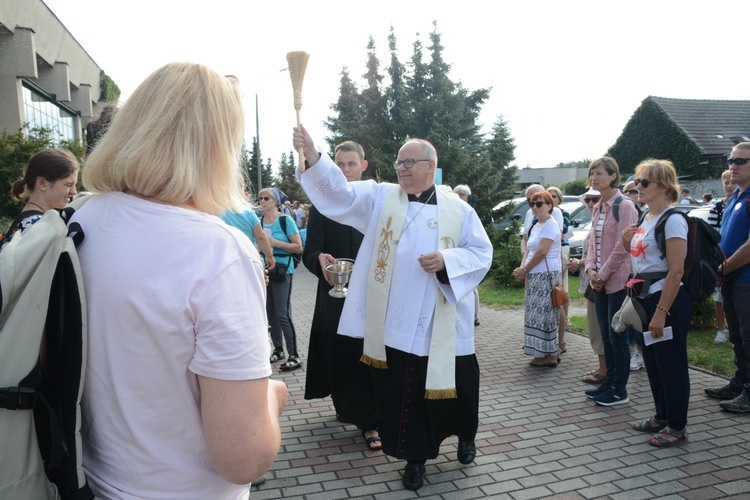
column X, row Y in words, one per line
column 541, row 319
column 608, row 267
column 666, row 302
column 557, row 198
column 285, row 241
column 596, row 376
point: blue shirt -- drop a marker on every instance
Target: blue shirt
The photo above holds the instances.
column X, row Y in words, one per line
column 276, row 232
column 735, row 227
column 245, row 222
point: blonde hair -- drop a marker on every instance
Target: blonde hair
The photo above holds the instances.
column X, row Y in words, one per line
column 663, row 173
column 556, row 190
column 176, row 140
column 725, row 175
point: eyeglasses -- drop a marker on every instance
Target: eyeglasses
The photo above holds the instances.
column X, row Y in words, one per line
column 538, row 204
column 265, row 198
column 737, row 161
column 591, row 200
column 634, row 191
column 642, row 182
column 408, row 163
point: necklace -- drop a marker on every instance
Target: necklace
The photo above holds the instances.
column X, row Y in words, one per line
column 32, row 203
column 414, row 218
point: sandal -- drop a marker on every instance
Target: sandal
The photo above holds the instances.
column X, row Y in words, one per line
column 593, row 377
column 292, row 364
column 647, row 426
column 372, row 440
column 562, row 348
column 661, row 441
column 277, row 355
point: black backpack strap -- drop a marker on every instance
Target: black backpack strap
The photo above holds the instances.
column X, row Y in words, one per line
column 616, row 207
column 534, row 220
column 660, row 231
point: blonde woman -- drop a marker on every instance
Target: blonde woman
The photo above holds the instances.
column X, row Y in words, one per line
column 666, row 302
column 557, row 198
column 177, row 400
column 285, row 241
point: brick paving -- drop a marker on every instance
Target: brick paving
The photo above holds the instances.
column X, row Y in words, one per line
column 539, row 436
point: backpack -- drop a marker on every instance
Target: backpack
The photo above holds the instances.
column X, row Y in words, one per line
column 296, row 257
column 42, row 304
column 704, row 256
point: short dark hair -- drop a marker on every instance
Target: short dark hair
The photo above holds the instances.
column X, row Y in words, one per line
column 350, row 146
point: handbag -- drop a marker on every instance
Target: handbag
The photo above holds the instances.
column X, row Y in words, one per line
column 278, row 273
column 559, row 295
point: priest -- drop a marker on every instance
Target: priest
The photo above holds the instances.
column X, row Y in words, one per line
column 410, row 298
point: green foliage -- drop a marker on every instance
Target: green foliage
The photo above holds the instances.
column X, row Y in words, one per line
column 286, row 180
column 507, row 255
column 250, row 169
column 650, row 133
column 422, row 101
column 110, row 92
column 576, row 187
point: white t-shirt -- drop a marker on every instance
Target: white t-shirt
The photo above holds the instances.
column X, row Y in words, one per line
column 644, row 251
column 556, row 214
column 171, row 294
column 545, row 230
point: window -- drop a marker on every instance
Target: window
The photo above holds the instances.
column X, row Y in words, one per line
column 41, row 112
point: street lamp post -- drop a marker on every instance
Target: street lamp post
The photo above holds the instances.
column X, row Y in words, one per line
column 258, row 161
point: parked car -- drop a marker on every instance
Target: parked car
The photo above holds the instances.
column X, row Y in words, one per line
column 521, row 207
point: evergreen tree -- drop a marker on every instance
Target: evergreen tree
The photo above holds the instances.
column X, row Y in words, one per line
column 373, row 130
column 286, row 180
column 251, row 167
column 344, row 125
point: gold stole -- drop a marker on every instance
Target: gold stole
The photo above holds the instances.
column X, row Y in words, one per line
column 441, row 364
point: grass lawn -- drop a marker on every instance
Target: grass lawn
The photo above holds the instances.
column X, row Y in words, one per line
column 702, row 352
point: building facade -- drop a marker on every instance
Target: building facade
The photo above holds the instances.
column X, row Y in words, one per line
column 46, row 78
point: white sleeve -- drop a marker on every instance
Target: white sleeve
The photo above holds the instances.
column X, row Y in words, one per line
column 676, row 227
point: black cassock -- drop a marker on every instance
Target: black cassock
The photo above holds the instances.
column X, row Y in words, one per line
column 333, row 366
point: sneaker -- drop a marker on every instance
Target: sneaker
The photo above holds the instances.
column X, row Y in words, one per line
column 636, row 362
column 740, row 404
column 592, row 393
column 724, row 392
column 612, row 398
column 721, row 336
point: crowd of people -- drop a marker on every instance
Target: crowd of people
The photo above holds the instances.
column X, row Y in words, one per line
column 397, row 356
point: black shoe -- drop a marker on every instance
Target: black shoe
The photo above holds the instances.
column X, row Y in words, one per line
column 466, row 451
column 413, row 476
column 724, row 392
column 740, row 404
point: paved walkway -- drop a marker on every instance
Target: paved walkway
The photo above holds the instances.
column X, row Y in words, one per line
column 539, row 436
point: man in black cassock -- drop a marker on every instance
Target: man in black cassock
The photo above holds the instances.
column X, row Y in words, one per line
column 333, row 366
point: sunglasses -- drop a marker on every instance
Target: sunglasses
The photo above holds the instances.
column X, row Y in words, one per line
column 737, row 161
column 265, row 198
column 538, row 204
column 591, row 200
column 642, row 182
column 634, row 191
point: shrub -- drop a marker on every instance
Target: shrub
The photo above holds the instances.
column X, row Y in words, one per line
column 507, row 256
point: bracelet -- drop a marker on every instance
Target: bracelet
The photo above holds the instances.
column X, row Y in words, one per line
column 659, row 306
column 726, row 263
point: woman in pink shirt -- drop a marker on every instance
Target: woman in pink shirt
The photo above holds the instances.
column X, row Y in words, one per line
column 608, row 266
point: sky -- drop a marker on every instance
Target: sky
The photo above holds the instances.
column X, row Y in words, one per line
column 566, row 76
